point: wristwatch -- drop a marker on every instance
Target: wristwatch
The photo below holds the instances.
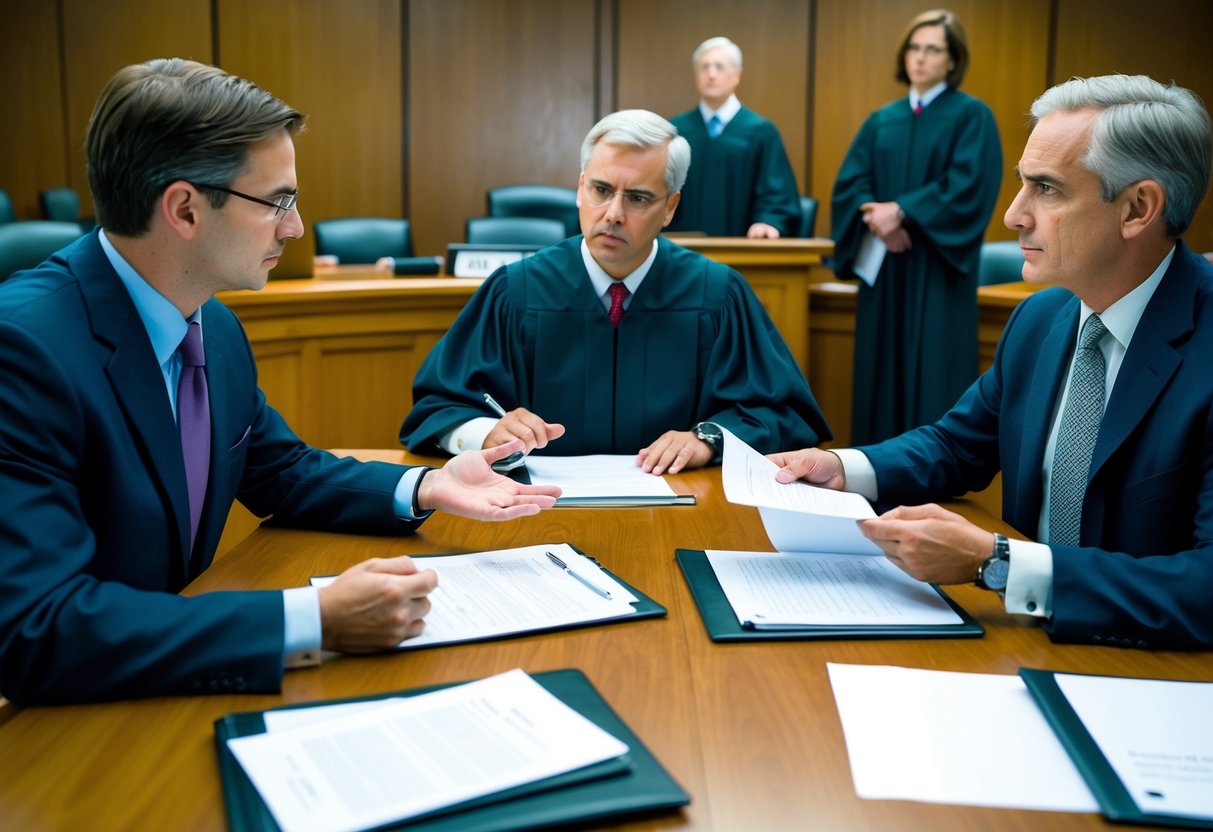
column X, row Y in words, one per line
column 711, row 433
column 993, row 573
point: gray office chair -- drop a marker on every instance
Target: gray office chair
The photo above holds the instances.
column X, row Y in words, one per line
column 25, row 244
column 1001, row 262
column 6, row 208
column 515, row 231
column 808, row 216
column 547, row 201
column 363, row 239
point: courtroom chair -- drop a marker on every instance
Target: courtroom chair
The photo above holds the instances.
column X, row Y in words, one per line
column 363, row 239
column 6, row 207
column 25, row 244
column 808, row 216
column 534, row 231
column 1001, row 262
column 60, row 204
column 547, row 201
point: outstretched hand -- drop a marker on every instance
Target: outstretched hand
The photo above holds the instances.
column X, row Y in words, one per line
column 469, row 487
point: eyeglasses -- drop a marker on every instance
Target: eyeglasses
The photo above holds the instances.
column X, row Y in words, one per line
column 634, row 202
column 284, row 204
column 929, row 49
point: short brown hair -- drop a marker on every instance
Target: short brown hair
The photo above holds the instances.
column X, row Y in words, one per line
column 167, row 120
column 958, row 44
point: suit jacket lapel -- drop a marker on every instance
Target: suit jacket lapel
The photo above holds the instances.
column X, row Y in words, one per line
column 135, row 377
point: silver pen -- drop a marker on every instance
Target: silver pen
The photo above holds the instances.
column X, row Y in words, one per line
column 512, row 459
column 604, row 593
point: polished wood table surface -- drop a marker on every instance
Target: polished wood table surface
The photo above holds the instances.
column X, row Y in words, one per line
column 750, row 731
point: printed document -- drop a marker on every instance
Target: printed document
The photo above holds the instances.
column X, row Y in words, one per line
column 869, row 258
column 410, row 756
column 599, row 479
column 1156, row 735
column 486, row 594
column 944, row 737
column 797, row 589
column 798, row 517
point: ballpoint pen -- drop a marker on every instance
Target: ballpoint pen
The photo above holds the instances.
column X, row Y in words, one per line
column 513, row 458
column 604, row 593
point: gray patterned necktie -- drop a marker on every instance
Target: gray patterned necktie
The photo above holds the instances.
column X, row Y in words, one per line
column 1076, row 436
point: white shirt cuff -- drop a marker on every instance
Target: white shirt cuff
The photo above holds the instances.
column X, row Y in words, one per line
column 402, row 499
column 302, row 635
column 469, row 436
column 1030, row 579
column 859, row 473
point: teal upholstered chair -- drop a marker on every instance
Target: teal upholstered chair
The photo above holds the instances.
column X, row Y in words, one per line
column 6, row 208
column 546, row 201
column 808, row 216
column 60, row 204
column 363, row 239
column 515, row 231
column 24, row 245
column 1001, row 262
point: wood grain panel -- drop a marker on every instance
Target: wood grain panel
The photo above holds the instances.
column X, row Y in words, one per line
column 33, row 144
column 856, row 59
column 656, row 41
column 501, row 94
column 1170, row 43
column 341, row 64
column 101, row 38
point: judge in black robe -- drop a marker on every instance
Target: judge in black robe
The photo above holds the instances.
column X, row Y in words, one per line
column 739, row 178
column 694, row 345
column 916, row 328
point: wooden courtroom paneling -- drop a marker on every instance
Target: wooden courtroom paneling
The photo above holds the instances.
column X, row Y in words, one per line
column 100, row 38
column 1169, row 42
column 654, row 60
column 341, row 64
column 33, row 145
column 856, row 59
column 500, row 94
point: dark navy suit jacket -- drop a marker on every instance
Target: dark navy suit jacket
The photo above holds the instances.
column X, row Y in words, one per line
column 95, row 523
column 1142, row 575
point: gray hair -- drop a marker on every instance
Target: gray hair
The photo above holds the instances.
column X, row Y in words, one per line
column 718, row 43
column 1145, row 130
column 640, row 128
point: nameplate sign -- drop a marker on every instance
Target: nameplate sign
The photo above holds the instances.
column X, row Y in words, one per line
column 481, row 259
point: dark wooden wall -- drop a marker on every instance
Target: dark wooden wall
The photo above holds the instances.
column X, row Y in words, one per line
column 418, row 106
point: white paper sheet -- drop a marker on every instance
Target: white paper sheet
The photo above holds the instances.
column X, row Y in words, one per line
column 943, row 737
column 769, row 590
column 486, row 594
column 1157, row 736
column 798, row 517
column 598, row 477
column 869, row 258
column 411, row 756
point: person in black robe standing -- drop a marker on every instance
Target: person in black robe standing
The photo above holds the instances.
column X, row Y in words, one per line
column 921, row 178
column 615, row 341
column 740, row 183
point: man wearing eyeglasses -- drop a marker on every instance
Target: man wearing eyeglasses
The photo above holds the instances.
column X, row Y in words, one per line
column 741, row 183
column 615, row 341
column 132, row 420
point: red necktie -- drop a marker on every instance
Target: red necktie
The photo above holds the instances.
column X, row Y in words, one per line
column 618, row 293
column 918, row 108
column 194, row 423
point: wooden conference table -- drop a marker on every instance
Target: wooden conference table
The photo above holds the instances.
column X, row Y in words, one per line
column 750, row 731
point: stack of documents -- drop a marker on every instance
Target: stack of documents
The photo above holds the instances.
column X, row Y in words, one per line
column 485, row 595
column 507, row 752
column 826, row 581
column 1138, row 750
column 602, row 480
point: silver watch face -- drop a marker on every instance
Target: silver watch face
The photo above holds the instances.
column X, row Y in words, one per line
column 994, row 573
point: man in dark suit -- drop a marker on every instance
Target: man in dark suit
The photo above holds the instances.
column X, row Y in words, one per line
column 120, row 454
column 1098, row 408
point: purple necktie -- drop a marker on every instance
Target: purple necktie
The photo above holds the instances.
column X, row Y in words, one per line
column 194, row 422
column 618, row 293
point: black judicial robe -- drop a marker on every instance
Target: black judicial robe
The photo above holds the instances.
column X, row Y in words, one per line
column 695, row 344
column 916, row 329
column 737, row 179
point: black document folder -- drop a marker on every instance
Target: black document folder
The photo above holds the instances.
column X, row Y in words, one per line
column 610, row 791
column 722, row 624
column 1115, row 802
